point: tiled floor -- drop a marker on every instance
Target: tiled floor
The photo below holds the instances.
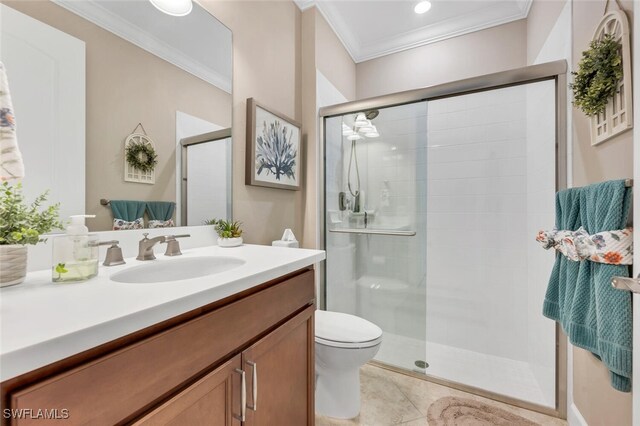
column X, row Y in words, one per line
column 390, row 398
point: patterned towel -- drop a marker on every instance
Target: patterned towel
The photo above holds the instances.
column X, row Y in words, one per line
column 11, row 165
column 612, row 247
column 161, row 214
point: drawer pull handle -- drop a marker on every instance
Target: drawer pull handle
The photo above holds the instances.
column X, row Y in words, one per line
column 243, row 396
column 254, row 385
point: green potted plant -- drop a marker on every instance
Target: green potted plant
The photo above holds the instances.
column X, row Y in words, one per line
column 21, row 224
column 229, row 232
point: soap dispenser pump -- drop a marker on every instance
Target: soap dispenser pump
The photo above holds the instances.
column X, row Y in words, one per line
column 77, row 226
column 75, row 254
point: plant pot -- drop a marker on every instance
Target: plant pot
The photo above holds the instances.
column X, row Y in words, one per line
column 229, row 242
column 13, row 264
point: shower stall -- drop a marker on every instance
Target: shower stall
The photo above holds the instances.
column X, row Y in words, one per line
column 432, row 200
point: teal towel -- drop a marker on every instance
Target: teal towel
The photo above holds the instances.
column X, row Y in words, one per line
column 594, row 315
column 160, row 210
column 128, row 210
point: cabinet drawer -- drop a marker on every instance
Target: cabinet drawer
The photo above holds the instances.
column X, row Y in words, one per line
column 119, row 385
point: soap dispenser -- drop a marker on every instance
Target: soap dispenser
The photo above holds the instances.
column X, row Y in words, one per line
column 75, row 254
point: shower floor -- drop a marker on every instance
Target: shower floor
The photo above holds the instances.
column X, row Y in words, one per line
column 496, row 374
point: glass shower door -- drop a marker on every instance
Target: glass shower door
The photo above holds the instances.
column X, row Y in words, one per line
column 491, row 183
column 375, row 225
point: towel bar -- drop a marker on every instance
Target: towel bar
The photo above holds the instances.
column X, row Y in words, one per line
column 104, row 201
column 373, row 232
column 625, row 283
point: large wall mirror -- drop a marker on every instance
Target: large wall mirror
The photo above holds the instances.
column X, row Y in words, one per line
column 85, row 75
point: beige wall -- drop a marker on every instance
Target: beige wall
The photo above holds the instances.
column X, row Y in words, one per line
column 309, row 126
column 593, row 395
column 495, row 49
column 127, row 85
column 540, row 21
column 321, row 51
column 333, row 60
column 266, row 66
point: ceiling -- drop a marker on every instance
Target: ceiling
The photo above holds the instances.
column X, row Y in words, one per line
column 174, row 39
column 373, row 28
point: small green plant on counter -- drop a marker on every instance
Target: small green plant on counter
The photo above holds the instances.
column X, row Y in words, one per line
column 21, row 223
column 598, row 75
column 226, row 229
column 60, row 269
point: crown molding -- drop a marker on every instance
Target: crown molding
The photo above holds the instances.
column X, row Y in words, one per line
column 443, row 30
column 104, row 18
column 304, row 4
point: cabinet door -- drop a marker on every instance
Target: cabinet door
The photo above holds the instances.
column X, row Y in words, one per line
column 280, row 375
column 213, row 400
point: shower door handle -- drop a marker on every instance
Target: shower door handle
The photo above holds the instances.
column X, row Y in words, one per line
column 626, row 283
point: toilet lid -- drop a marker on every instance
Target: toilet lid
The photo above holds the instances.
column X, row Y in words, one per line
column 345, row 328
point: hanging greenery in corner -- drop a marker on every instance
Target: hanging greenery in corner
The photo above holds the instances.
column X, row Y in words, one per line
column 598, row 75
column 142, row 156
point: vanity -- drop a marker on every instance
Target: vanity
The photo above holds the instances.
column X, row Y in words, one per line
column 229, row 348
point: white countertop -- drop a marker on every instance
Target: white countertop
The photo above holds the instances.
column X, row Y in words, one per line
column 42, row 322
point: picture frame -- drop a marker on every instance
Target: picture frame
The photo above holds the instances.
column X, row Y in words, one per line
column 274, row 149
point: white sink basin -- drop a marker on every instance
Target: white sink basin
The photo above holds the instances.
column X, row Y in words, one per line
column 177, row 269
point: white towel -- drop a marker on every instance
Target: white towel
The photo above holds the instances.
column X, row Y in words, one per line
column 11, row 165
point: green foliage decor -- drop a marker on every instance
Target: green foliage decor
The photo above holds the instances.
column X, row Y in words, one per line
column 598, row 75
column 21, row 223
column 226, row 229
column 142, row 156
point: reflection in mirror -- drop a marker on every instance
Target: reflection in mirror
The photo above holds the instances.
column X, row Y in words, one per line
column 84, row 74
column 206, row 182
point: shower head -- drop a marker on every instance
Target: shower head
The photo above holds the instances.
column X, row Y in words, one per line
column 371, row 114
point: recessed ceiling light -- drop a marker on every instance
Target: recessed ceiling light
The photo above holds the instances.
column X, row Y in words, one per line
column 422, row 7
column 173, row 7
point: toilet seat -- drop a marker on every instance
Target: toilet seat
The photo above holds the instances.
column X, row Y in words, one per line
column 342, row 330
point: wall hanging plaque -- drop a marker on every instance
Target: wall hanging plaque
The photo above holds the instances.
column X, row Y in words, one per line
column 602, row 84
column 140, row 157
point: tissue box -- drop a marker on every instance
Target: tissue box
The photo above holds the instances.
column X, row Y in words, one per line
column 281, row 243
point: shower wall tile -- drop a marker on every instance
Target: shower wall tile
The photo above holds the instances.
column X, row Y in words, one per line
column 490, row 187
column 477, row 223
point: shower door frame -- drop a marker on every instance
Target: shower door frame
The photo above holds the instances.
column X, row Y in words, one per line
column 551, row 71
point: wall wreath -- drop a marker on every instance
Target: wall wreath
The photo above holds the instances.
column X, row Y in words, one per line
column 598, row 75
column 141, row 155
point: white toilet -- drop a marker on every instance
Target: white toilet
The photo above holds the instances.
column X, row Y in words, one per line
column 343, row 344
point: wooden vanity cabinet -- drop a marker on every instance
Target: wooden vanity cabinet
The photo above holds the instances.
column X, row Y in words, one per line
column 212, row 400
column 189, row 370
column 278, row 381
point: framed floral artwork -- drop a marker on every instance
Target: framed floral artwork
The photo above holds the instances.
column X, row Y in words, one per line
column 274, row 157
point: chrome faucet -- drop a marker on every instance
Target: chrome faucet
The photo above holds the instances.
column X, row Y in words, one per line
column 145, row 246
